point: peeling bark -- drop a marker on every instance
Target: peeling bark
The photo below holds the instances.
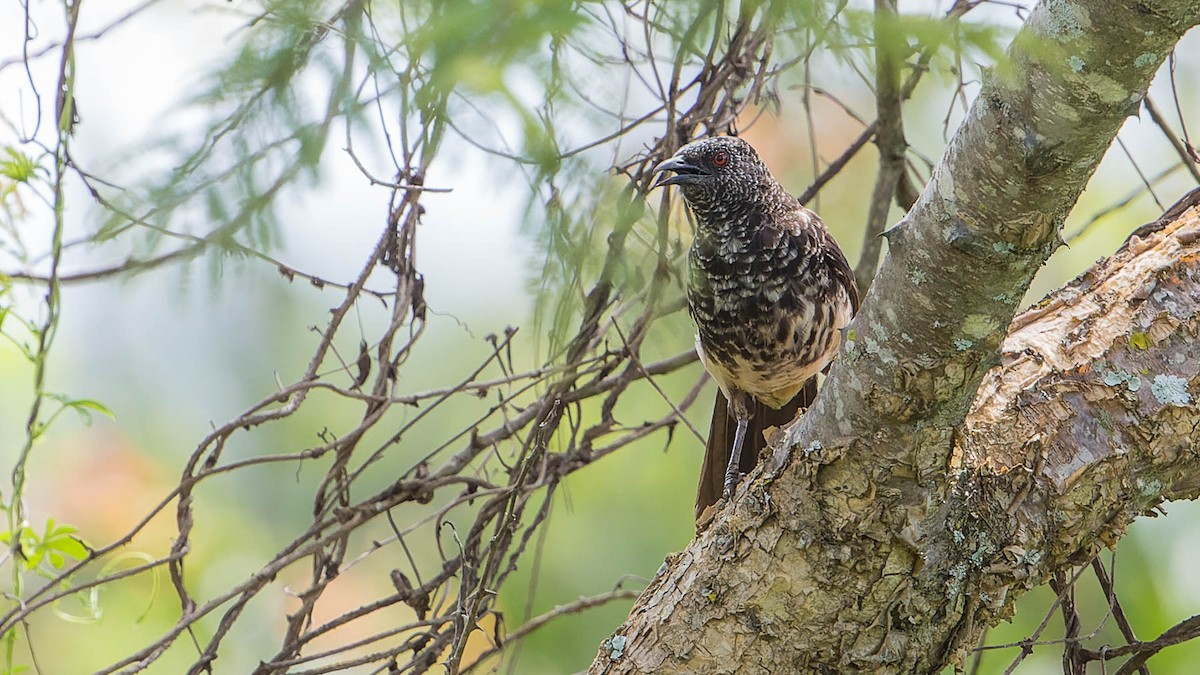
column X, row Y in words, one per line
column 888, row 528
column 1090, row 421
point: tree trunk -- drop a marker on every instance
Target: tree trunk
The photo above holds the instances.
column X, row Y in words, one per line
column 903, row 514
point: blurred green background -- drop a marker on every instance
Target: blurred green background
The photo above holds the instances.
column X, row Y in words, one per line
column 175, row 351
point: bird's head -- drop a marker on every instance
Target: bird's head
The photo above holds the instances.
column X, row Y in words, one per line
column 717, row 170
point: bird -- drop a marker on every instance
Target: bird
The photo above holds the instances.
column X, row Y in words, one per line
column 770, row 292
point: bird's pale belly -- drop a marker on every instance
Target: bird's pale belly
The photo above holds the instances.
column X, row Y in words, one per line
column 771, row 355
column 774, row 385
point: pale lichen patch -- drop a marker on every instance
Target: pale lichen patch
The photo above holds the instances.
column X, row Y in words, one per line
column 879, row 330
column 1106, row 88
column 887, row 356
column 615, row 646
column 1145, row 60
column 1170, row 390
column 1150, row 488
column 945, row 187
column 1065, row 20
column 1118, row 377
column 979, row 326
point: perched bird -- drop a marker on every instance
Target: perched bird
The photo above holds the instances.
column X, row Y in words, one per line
column 770, row 292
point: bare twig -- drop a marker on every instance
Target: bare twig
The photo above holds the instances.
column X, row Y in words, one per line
column 889, row 137
column 1187, row 157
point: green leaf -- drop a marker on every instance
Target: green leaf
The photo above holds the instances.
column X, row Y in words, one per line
column 82, row 405
column 69, row 546
column 54, row 545
column 61, row 539
column 18, row 166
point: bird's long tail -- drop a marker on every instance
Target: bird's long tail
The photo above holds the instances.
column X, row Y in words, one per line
column 720, row 440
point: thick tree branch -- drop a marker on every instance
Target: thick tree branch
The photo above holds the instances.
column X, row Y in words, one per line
column 1089, row 422
column 854, row 547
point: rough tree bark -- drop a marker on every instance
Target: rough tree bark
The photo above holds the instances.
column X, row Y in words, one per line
column 889, row 527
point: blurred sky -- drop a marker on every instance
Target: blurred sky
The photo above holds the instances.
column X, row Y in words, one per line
column 173, row 353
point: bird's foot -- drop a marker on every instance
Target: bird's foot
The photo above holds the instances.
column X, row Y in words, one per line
column 730, row 484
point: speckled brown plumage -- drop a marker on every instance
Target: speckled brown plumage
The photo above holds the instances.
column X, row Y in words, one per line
column 770, row 292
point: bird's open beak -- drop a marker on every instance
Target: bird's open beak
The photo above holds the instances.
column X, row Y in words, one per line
column 685, row 173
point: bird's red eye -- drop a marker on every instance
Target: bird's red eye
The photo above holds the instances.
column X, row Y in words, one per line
column 720, row 159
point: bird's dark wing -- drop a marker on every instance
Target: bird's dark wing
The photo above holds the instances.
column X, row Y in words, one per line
column 842, row 272
column 803, row 223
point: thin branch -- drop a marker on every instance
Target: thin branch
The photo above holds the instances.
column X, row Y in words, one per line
column 889, row 137
column 1186, row 158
